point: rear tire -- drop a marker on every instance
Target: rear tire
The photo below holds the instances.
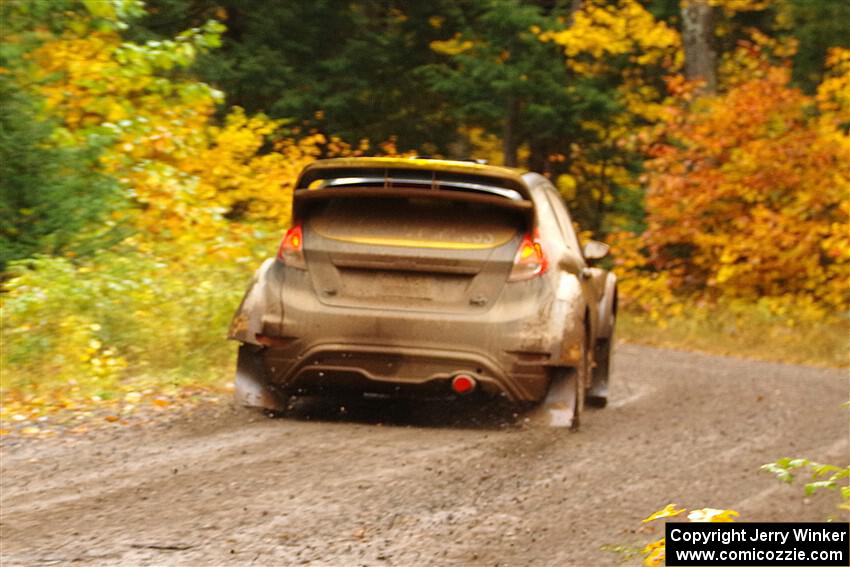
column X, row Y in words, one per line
column 580, row 376
column 564, row 402
column 597, row 395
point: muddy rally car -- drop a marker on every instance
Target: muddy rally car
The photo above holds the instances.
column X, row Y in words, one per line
column 428, row 278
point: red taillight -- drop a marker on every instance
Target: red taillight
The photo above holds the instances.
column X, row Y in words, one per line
column 291, row 251
column 530, row 260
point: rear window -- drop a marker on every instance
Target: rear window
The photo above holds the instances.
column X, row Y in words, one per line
column 416, row 222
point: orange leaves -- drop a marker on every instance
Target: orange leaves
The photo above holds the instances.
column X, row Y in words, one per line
column 748, row 198
column 746, row 191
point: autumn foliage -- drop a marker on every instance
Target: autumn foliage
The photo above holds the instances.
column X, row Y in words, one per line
column 199, row 200
column 187, row 175
column 748, row 196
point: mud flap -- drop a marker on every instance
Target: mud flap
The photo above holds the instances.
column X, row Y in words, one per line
column 597, row 395
column 249, row 387
column 562, row 406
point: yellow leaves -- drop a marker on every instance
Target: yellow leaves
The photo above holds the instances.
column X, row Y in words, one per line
column 566, row 185
column 164, row 142
column 604, row 29
column 485, row 146
column 838, row 60
column 100, row 9
column 601, row 37
column 77, row 61
column 750, row 60
column 833, row 97
column 454, row 46
column 642, row 290
column 668, row 511
column 655, row 551
column 732, row 6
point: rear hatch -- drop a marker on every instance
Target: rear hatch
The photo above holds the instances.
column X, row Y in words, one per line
column 410, row 249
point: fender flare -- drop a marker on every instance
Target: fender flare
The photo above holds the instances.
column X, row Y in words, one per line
column 569, row 319
column 260, row 311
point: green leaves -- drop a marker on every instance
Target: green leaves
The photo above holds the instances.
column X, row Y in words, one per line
column 167, row 54
column 52, row 196
column 823, row 476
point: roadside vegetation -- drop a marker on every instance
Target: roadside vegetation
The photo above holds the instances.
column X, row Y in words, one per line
column 822, row 478
column 745, row 329
column 148, row 152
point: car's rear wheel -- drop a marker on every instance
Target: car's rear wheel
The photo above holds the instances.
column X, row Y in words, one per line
column 597, row 395
column 578, row 378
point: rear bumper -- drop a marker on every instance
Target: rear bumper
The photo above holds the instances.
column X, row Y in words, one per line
column 400, row 370
column 507, row 347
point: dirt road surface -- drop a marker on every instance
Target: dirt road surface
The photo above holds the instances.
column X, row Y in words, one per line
column 419, row 484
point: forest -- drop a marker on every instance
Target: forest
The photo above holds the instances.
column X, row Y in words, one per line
column 148, row 152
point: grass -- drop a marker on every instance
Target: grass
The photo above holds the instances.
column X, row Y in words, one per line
column 120, row 327
column 748, row 333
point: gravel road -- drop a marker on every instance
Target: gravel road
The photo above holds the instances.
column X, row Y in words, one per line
column 417, row 484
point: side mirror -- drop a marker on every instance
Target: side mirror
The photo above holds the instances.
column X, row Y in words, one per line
column 595, row 250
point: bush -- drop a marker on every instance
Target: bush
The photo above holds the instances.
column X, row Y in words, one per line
column 114, row 322
column 785, row 329
column 52, row 197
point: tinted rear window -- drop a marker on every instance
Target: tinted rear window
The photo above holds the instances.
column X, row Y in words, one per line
column 415, row 222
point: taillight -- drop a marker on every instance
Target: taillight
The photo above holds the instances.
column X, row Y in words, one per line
column 530, row 260
column 291, row 251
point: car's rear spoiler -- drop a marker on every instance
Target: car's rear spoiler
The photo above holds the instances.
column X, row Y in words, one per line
column 425, row 178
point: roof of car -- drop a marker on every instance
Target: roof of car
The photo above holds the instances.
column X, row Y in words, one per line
column 513, row 176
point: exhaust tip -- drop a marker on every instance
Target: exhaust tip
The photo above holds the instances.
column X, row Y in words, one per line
column 463, row 384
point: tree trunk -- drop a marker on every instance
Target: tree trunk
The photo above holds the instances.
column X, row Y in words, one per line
column 698, row 39
column 575, row 6
column 536, row 156
column 510, row 136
